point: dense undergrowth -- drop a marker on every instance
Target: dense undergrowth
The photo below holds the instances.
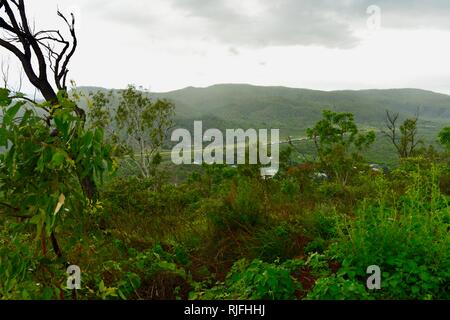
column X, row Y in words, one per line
column 310, row 232
column 228, row 234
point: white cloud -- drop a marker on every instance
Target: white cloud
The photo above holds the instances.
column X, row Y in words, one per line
column 319, row 44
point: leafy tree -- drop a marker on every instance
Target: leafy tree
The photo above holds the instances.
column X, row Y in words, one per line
column 338, row 143
column 444, row 137
column 49, row 155
column 138, row 126
column 44, row 167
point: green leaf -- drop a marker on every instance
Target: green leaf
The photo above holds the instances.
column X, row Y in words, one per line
column 11, row 113
column 3, row 137
column 101, row 286
column 41, row 164
column 121, row 295
column 36, row 219
column 415, row 289
column 62, row 126
column 39, row 220
column 98, row 136
column 47, row 294
column 135, row 281
column 87, row 139
column 58, row 159
column 4, row 97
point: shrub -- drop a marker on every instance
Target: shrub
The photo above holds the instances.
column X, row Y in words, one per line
column 241, row 208
column 338, row 288
column 256, row 280
column 409, row 241
column 274, row 243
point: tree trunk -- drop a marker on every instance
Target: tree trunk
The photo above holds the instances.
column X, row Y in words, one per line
column 55, row 245
column 89, row 188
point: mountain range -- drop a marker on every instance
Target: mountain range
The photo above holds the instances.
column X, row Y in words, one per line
column 293, row 110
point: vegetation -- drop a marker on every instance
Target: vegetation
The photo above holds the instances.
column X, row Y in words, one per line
column 294, row 110
column 223, row 233
column 444, row 137
column 137, row 127
column 406, row 142
column 219, row 232
column 338, row 143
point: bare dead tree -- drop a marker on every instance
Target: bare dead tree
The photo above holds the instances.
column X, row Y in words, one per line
column 45, row 56
column 391, row 133
column 39, row 52
column 403, row 137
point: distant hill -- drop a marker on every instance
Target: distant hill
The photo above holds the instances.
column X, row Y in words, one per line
column 293, row 110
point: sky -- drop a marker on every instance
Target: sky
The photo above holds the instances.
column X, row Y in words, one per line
column 165, row 45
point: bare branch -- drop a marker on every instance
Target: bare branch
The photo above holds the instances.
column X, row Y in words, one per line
column 391, row 124
column 5, row 74
column 48, row 48
column 19, row 89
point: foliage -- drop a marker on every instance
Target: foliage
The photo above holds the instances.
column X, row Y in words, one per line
column 138, row 126
column 240, row 208
column 223, row 232
column 47, row 162
column 338, row 288
column 408, row 239
column 256, row 280
column 404, row 138
column 24, row 273
column 291, row 110
column 444, row 137
column 338, row 143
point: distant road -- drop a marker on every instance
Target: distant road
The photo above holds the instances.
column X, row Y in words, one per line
column 301, row 139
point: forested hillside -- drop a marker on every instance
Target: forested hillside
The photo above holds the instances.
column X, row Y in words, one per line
column 95, row 203
column 293, row 110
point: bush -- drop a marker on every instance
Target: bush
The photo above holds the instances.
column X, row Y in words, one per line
column 409, row 241
column 256, row 280
column 338, row 288
column 274, row 243
column 240, row 209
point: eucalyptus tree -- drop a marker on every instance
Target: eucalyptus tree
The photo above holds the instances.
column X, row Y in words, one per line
column 136, row 125
column 339, row 143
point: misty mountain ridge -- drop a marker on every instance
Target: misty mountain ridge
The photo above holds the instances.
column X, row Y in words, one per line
column 293, row 110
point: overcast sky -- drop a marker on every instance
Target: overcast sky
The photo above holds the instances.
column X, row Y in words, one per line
column 319, row 44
